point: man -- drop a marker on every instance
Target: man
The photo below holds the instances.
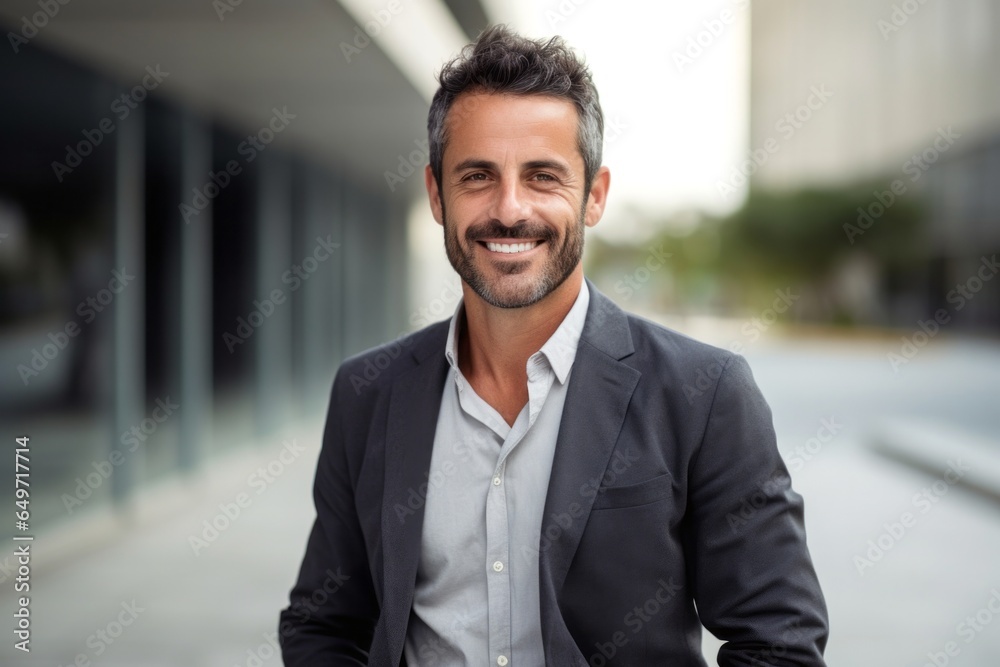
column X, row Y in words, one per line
column 529, row 482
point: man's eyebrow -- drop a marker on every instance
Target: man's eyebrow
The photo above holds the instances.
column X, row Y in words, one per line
column 551, row 165
column 477, row 163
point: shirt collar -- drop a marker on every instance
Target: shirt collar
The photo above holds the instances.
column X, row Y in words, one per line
column 559, row 349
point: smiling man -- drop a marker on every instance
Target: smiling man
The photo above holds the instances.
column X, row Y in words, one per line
column 527, row 483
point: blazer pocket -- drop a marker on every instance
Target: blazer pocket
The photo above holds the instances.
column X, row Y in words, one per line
column 633, row 495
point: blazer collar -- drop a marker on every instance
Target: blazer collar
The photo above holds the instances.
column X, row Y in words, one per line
column 607, row 327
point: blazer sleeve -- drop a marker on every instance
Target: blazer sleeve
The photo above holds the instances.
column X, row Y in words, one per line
column 332, row 612
column 751, row 574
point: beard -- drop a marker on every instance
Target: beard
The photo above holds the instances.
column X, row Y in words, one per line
column 515, row 288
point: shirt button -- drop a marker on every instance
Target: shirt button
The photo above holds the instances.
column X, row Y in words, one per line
column 498, row 567
column 496, row 481
column 502, row 660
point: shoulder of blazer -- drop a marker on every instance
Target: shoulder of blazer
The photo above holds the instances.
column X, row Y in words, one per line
column 654, row 341
column 643, row 344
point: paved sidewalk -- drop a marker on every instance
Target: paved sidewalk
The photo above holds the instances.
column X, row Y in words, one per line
column 216, row 608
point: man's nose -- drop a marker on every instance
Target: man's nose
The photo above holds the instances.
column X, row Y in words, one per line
column 510, row 205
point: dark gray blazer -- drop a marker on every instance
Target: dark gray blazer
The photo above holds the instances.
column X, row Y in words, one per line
column 667, row 491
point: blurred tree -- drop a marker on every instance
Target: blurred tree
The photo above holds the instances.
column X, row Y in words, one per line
column 809, row 240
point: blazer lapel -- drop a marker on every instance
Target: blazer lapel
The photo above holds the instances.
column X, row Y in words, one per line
column 600, row 388
column 409, row 441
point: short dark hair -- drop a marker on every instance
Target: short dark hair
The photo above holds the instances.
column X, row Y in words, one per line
column 501, row 61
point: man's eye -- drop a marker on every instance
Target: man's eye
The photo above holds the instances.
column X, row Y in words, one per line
column 478, row 176
column 545, row 177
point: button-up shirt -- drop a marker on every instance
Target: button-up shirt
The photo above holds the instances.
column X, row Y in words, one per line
column 476, row 597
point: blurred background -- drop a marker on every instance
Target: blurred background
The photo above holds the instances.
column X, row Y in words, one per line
column 206, row 205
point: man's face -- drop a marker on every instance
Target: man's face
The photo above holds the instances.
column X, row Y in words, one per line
column 512, row 200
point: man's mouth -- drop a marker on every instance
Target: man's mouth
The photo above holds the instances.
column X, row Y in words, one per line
column 511, row 248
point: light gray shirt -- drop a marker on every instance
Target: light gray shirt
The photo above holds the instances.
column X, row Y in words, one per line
column 476, row 597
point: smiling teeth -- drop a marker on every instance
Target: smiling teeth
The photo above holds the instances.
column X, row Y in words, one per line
column 511, row 247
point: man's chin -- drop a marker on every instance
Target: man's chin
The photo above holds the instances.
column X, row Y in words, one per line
column 503, row 269
column 509, row 292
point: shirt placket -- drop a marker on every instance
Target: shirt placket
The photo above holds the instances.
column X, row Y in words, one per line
column 498, row 570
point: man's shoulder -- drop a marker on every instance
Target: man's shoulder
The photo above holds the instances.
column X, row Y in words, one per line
column 653, row 338
column 684, row 366
column 654, row 345
column 375, row 368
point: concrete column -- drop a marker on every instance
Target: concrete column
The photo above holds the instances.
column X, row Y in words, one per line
column 334, row 220
column 129, row 361
column 397, row 254
column 273, row 353
column 195, row 298
column 316, row 338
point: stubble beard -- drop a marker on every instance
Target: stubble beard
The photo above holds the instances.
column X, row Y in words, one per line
column 559, row 264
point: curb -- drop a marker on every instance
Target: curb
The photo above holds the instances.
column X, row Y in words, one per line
column 929, row 446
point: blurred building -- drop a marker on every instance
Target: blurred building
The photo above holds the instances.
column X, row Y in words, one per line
column 202, row 210
column 902, row 93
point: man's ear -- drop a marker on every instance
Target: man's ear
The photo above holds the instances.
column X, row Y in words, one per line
column 597, row 198
column 433, row 194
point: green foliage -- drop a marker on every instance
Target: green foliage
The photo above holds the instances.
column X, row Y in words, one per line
column 802, row 235
column 775, row 240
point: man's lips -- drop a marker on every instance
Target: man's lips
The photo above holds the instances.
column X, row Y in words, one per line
column 512, row 247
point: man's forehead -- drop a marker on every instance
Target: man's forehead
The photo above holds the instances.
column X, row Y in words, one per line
column 471, row 105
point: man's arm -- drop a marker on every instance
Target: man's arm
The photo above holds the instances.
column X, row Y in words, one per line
column 750, row 570
column 333, row 609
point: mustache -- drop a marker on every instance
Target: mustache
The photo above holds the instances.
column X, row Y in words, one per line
column 494, row 229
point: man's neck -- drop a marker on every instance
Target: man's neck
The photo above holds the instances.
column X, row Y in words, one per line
column 494, row 344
